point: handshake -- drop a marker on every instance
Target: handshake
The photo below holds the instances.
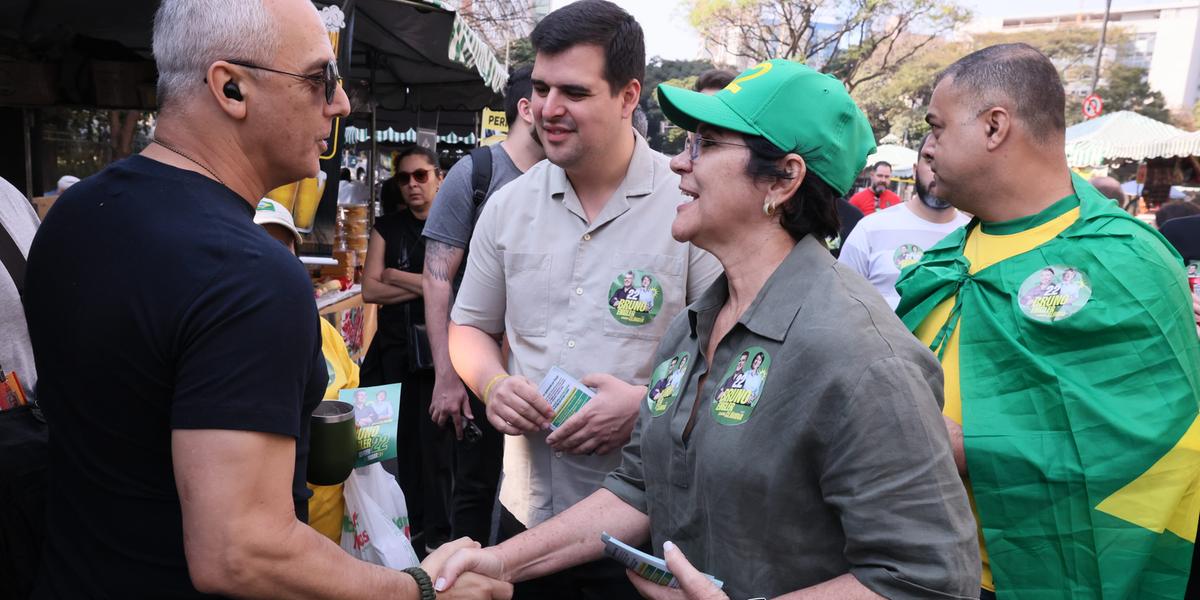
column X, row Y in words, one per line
column 483, row 584
column 461, row 569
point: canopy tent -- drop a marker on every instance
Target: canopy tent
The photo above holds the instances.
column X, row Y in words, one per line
column 1126, row 135
column 419, row 55
column 902, row 159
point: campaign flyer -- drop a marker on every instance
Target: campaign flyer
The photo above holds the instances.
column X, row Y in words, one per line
column 648, row 567
column 375, row 417
column 565, row 395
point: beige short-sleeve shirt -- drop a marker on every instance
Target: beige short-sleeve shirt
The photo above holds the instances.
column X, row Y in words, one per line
column 586, row 297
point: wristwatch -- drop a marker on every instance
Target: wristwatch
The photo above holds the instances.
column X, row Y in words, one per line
column 423, row 582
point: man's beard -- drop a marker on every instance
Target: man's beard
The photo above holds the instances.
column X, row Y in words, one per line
column 534, row 134
column 929, row 199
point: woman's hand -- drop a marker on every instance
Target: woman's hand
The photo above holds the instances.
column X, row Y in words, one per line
column 693, row 585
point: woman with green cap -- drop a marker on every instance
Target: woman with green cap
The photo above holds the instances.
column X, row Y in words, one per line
column 835, row 479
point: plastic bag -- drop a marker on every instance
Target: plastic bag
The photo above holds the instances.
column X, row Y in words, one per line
column 375, row 528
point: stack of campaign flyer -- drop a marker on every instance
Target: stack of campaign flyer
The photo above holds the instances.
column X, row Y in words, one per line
column 648, row 567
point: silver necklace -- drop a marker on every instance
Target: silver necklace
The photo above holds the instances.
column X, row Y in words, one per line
column 181, row 153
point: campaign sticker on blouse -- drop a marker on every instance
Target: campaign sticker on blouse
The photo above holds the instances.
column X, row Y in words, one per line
column 1193, row 271
column 667, row 381
column 635, row 297
column 907, row 255
column 742, row 387
column 1054, row 293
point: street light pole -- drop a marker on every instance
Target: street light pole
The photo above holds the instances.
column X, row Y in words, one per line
column 1100, row 48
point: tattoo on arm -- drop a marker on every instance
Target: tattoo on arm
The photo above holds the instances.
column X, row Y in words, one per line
column 442, row 260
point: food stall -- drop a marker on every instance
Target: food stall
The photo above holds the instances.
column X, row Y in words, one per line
column 1122, row 142
column 408, row 65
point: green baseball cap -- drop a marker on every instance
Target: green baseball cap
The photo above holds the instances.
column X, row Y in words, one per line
column 796, row 107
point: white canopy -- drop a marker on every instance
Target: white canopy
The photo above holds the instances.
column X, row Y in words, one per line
column 1126, row 135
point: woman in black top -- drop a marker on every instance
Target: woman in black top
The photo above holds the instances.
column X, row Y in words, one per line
column 399, row 351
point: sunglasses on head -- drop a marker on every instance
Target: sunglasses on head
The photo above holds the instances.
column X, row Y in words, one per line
column 328, row 78
column 420, row 175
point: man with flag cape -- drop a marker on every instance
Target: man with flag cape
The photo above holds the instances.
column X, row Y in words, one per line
column 1065, row 331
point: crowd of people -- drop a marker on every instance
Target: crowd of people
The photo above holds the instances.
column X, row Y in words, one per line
column 988, row 389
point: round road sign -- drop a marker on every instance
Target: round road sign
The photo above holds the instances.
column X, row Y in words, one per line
column 1092, row 106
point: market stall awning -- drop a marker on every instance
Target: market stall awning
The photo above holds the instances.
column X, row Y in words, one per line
column 419, row 55
column 1126, row 135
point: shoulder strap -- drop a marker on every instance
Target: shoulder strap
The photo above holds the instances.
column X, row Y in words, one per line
column 481, row 173
column 13, row 260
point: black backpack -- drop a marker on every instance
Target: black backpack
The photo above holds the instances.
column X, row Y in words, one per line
column 481, row 174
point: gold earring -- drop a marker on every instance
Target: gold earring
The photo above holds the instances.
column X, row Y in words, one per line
column 768, row 208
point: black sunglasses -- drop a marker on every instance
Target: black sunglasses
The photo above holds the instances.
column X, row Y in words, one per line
column 329, row 76
column 421, row 175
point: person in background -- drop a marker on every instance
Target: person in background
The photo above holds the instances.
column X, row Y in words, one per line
column 832, row 506
column 713, row 80
column 1173, row 210
column 181, row 402
column 1111, row 188
column 1072, row 411
column 544, row 259
column 23, row 466
column 640, row 123
column 392, row 279
column 877, row 196
column 890, row 240
column 64, row 182
column 477, row 462
column 327, row 506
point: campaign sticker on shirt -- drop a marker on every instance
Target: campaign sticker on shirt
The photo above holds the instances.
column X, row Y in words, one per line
column 907, row 255
column 1054, row 293
column 635, row 297
column 1193, row 271
column 742, row 387
column 667, row 380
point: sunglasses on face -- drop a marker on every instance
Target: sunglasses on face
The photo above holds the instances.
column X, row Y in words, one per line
column 419, row 175
column 328, row 78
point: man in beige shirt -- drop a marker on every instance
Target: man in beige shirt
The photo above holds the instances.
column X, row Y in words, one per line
column 548, row 266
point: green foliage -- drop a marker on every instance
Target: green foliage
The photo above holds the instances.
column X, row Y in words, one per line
column 520, row 52
column 681, row 73
column 1126, row 88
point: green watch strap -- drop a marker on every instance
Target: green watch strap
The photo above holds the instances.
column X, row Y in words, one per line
column 423, row 582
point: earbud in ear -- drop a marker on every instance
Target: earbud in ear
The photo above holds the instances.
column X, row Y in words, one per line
column 232, row 91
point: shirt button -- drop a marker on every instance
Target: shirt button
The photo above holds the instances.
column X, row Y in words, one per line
column 571, row 344
column 587, row 237
column 579, row 291
column 558, row 455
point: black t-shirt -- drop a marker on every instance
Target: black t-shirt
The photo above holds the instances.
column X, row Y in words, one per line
column 1184, row 234
column 404, row 249
column 155, row 303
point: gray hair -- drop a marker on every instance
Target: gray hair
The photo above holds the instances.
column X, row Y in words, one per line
column 190, row 35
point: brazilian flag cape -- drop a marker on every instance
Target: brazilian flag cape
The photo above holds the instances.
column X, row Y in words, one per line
column 1079, row 426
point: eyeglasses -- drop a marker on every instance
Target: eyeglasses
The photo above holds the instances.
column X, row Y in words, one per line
column 420, row 175
column 328, row 78
column 694, row 142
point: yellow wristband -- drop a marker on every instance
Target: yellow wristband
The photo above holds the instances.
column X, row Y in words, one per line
column 488, row 390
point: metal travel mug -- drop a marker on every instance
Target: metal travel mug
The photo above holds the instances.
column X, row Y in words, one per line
column 333, row 446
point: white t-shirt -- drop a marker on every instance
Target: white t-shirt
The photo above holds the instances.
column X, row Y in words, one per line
column 885, row 242
column 16, row 354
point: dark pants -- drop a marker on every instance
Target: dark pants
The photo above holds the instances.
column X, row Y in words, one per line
column 423, row 457
column 986, row 595
column 424, row 452
column 603, row 579
column 477, row 466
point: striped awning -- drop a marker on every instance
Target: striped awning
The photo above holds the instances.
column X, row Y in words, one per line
column 1126, row 135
